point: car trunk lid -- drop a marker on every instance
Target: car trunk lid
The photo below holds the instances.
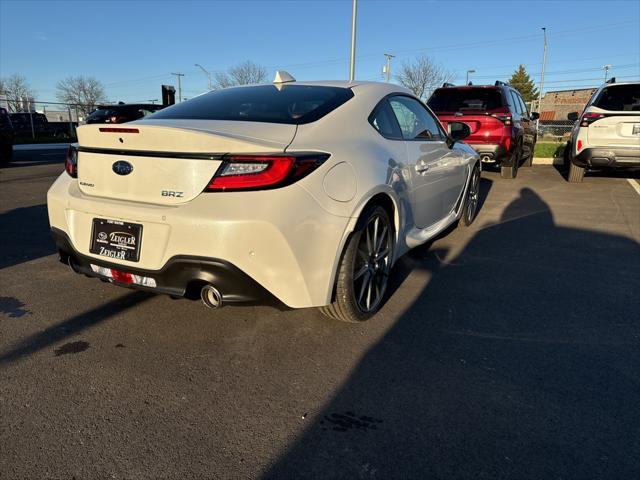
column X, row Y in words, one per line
column 166, row 162
column 614, row 129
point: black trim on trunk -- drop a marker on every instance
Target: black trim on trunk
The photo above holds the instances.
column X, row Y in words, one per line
column 153, row 153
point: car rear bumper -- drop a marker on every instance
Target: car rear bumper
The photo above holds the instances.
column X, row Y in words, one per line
column 181, row 276
column 492, row 153
column 281, row 239
column 608, row 157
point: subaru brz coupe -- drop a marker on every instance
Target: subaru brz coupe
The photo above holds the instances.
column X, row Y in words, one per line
column 304, row 191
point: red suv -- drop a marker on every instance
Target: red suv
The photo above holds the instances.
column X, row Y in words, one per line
column 502, row 129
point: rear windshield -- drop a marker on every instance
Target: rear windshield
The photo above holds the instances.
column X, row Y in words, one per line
column 101, row 112
column 465, row 99
column 291, row 104
column 619, row 98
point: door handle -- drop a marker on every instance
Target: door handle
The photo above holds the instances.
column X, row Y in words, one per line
column 422, row 167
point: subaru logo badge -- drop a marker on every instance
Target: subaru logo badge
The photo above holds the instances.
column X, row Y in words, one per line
column 122, row 168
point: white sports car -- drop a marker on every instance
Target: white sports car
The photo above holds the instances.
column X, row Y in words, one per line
column 309, row 191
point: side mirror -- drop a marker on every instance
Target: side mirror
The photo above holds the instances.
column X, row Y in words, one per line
column 534, row 116
column 459, row 131
column 573, row 116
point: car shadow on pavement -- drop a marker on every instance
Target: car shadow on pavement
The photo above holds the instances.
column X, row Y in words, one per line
column 72, row 326
column 519, row 359
column 25, row 233
column 414, row 258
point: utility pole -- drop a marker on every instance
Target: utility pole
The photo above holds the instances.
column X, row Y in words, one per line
column 606, row 71
column 388, row 67
column 179, row 75
column 544, row 64
column 468, row 72
column 352, row 65
column 207, row 73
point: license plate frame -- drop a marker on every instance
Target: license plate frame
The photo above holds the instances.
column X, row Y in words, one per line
column 116, row 239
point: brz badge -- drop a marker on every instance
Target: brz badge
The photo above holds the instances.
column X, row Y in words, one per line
column 122, row 168
column 171, row 193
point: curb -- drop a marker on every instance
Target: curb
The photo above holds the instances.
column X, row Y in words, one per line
column 547, row 161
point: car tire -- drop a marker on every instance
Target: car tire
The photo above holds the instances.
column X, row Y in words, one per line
column 528, row 162
column 576, row 173
column 470, row 208
column 6, row 153
column 512, row 171
column 363, row 271
column 566, row 160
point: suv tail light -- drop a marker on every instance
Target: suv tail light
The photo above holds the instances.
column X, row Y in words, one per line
column 588, row 118
column 261, row 172
column 504, row 118
column 71, row 162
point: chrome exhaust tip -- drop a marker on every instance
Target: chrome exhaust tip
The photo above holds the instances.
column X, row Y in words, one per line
column 211, row 297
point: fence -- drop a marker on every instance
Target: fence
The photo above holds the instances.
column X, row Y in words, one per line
column 47, row 122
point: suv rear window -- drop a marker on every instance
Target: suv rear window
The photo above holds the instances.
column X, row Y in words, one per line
column 291, row 104
column 619, row 98
column 465, row 100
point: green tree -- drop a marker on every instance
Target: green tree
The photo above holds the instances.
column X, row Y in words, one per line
column 521, row 81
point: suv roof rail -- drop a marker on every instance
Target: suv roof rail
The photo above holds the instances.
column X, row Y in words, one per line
column 500, row 83
column 447, row 84
column 611, row 80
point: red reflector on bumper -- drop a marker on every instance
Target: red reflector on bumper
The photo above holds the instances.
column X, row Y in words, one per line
column 121, row 277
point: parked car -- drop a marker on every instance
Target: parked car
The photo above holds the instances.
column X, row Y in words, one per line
column 22, row 124
column 307, row 190
column 7, row 136
column 503, row 131
column 122, row 112
column 607, row 133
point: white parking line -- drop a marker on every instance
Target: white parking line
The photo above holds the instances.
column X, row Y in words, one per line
column 634, row 184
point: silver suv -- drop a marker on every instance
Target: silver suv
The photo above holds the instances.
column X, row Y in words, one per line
column 607, row 133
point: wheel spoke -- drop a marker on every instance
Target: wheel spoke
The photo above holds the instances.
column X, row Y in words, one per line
column 368, row 235
column 383, row 236
column 382, row 254
column 370, row 286
column 375, row 235
column 361, row 272
column 363, row 286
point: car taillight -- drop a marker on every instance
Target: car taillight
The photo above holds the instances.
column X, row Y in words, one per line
column 588, row 118
column 579, row 145
column 506, row 119
column 261, row 172
column 71, row 162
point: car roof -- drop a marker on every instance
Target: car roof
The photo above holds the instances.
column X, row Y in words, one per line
column 355, row 85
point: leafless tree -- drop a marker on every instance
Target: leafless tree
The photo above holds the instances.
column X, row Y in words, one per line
column 86, row 92
column 243, row 74
column 423, row 75
column 18, row 92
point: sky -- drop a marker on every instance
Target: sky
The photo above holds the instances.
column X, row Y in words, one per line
column 133, row 46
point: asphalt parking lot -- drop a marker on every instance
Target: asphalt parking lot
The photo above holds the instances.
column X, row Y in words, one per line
column 510, row 349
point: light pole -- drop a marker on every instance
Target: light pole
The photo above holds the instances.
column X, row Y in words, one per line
column 206, row 72
column 544, row 64
column 179, row 75
column 606, row 71
column 468, row 72
column 387, row 69
column 352, row 63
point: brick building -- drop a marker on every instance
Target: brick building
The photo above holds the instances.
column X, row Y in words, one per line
column 556, row 105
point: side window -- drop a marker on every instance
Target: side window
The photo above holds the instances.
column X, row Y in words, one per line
column 384, row 121
column 523, row 106
column 416, row 122
column 516, row 102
